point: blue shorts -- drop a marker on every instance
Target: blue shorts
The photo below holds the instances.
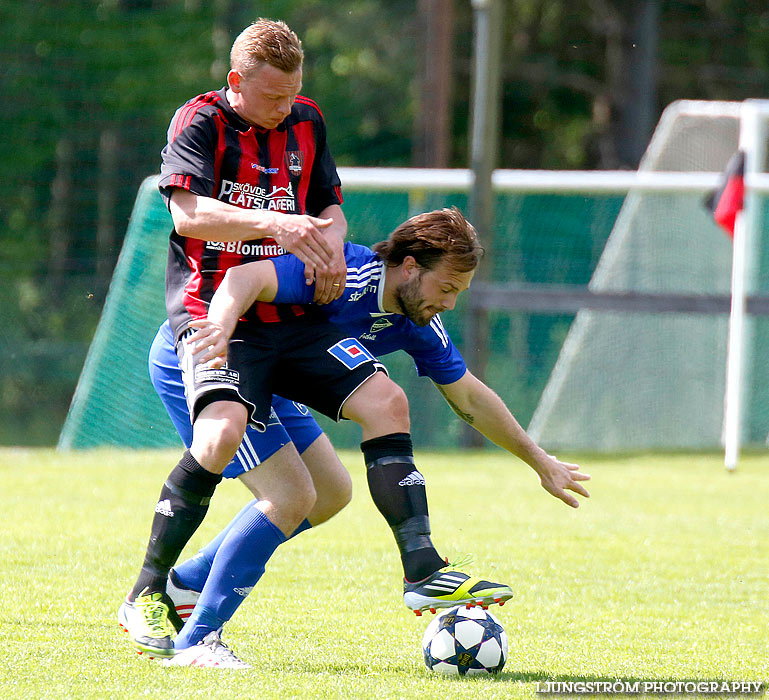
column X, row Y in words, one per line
column 288, row 422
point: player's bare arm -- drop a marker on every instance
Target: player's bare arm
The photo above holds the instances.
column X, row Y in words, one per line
column 240, row 288
column 329, row 284
column 480, row 407
column 208, row 219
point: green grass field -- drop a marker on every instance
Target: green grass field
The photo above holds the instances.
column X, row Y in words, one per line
column 661, row 575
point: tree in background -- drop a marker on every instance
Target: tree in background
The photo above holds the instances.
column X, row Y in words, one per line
column 89, row 87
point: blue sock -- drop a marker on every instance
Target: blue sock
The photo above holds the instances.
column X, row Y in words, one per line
column 194, row 572
column 236, row 568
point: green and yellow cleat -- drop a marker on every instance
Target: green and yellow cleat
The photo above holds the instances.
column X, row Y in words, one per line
column 448, row 587
column 146, row 621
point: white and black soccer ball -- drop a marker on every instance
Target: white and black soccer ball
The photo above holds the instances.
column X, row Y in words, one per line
column 465, row 642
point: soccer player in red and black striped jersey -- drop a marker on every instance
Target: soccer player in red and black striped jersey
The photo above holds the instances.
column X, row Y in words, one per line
column 248, row 175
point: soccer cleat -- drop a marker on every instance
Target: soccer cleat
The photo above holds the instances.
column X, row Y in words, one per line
column 449, row 587
column 184, row 599
column 210, row 652
column 146, row 621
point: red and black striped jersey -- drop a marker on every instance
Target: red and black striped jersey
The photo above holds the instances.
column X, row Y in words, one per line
column 212, row 152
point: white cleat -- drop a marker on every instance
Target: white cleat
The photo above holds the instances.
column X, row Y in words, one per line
column 210, row 652
column 184, row 599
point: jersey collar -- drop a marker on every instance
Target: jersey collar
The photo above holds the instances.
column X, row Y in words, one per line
column 380, row 292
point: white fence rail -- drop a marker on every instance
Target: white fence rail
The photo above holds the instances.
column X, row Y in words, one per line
column 542, row 181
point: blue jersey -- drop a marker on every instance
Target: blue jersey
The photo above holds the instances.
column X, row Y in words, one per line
column 359, row 312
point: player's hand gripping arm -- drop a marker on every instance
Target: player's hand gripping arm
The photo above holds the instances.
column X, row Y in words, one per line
column 208, row 219
column 479, row 406
column 329, row 284
column 240, row 288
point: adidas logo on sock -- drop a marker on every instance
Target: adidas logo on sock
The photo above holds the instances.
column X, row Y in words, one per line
column 164, row 508
column 413, row 479
column 243, row 591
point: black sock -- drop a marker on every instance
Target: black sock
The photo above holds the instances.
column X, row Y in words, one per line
column 182, row 505
column 398, row 491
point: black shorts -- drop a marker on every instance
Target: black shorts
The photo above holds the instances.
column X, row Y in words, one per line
column 305, row 359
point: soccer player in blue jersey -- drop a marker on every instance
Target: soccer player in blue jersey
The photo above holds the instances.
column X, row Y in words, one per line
column 391, row 302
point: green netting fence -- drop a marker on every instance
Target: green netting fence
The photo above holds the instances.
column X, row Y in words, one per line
column 538, row 238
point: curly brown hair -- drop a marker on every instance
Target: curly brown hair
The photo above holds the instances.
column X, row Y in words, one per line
column 443, row 235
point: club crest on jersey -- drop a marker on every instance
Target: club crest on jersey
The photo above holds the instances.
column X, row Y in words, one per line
column 294, row 162
column 351, row 353
column 380, row 325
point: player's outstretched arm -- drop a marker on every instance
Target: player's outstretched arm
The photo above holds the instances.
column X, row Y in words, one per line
column 479, row 406
column 240, row 288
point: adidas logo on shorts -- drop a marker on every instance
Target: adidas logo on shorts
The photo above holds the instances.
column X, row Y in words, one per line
column 164, row 508
column 413, row 479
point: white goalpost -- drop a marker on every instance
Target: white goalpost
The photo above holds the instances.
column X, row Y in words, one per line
column 754, row 115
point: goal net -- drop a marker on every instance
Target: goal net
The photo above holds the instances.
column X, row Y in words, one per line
column 653, row 380
column 114, row 403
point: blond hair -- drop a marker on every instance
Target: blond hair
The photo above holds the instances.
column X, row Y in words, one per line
column 266, row 41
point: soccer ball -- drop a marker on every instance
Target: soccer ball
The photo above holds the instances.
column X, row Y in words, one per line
column 465, row 641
